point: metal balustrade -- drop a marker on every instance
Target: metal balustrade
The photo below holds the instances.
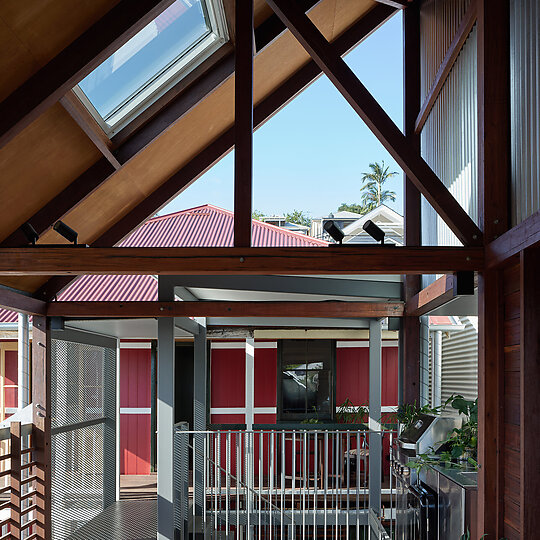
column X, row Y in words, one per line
column 279, row 483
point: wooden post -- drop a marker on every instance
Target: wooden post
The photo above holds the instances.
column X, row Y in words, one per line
column 243, row 123
column 15, row 442
column 41, row 397
column 412, row 218
column 493, row 179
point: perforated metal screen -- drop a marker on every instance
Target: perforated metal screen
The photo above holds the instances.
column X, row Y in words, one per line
column 83, row 443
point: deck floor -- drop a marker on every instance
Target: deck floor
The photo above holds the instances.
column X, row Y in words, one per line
column 123, row 520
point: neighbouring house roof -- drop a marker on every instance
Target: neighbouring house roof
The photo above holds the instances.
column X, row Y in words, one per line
column 202, row 226
column 387, row 219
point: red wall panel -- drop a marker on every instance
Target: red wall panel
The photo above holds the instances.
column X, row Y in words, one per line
column 352, row 375
column 265, row 377
column 389, row 395
column 11, row 373
column 227, row 419
column 228, row 378
column 135, row 392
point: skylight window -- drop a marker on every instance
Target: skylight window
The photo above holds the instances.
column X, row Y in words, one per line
column 152, row 61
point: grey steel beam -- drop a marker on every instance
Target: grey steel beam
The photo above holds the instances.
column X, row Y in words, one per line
column 296, row 284
column 289, row 322
column 375, row 437
column 165, row 420
column 187, row 324
column 200, row 359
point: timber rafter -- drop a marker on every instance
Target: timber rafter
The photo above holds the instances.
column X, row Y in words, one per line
column 400, row 148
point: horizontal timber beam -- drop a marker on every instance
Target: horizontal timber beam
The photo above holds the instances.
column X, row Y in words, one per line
column 447, row 64
column 400, row 148
column 16, row 301
column 373, row 259
column 75, row 62
column 440, row 292
column 511, row 243
column 330, row 309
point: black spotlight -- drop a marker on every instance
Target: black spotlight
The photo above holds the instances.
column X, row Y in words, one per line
column 334, row 231
column 67, row 232
column 30, row 233
column 374, row 231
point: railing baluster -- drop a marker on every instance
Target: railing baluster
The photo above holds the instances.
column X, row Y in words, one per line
column 282, row 482
column 358, row 472
column 228, row 482
column 325, row 481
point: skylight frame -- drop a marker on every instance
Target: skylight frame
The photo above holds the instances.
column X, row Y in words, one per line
column 168, row 77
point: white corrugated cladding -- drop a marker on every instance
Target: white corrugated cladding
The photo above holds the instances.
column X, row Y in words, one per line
column 460, row 361
column 449, row 136
column 425, row 364
column 525, row 108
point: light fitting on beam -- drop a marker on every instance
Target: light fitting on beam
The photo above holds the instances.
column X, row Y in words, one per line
column 31, row 234
column 374, row 231
column 67, row 232
column 334, row 231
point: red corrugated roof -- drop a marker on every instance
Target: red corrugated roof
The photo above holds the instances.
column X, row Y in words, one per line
column 202, row 226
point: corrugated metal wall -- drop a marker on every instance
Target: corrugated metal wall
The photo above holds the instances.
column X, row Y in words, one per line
column 525, row 108
column 449, row 136
column 460, row 361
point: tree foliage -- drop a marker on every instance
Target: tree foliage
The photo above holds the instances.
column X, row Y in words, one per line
column 373, row 194
column 298, row 216
column 356, row 208
column 257, row 214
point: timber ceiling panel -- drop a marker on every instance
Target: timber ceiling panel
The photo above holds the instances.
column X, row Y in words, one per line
column 53, row 151
column 32, row 32
column 40, row 162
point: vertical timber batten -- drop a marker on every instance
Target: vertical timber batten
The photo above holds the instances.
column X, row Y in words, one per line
column 243, row 123
column 529, row 397
column 410, row 382
column 493, row 179
column 41, row 397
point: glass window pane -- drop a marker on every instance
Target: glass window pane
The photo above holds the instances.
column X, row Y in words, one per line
column 145, row 56
column 293, row 391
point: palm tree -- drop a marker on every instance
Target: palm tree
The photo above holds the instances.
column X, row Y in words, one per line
column 373, row 193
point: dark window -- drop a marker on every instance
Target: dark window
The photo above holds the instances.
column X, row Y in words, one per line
column 306, row 379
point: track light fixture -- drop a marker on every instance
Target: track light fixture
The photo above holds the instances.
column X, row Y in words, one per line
column 374, row 231
column 334, row 231
column 67, row 232
column 30, row 233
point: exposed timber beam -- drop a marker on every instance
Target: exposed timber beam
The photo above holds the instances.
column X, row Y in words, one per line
column 224, row 309
column 462, row 33
column 77, row 60
column 399, row 147
column 243, row 123
column 372, row 259
column 219, row 148
column 75, row 108
column 410, row 326
column 296, row 285
column 440, row 292
column 512, row 242
column 493, row 104
column 16, row 301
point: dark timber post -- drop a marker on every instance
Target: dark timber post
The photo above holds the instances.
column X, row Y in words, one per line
column 493, row 179
column 410, row 380
column 15, row 482
column 243, row 123
column 41, row 435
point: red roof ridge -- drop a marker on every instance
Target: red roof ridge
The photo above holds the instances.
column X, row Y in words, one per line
column 294, row 234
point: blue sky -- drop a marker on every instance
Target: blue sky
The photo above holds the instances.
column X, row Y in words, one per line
column 311, row 155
